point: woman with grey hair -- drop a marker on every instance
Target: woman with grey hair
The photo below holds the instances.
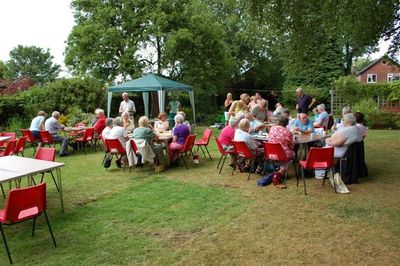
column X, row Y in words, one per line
column 105, row 134
column 179, row 133
column 145, row 132
column 344, row 137
column 322, row 117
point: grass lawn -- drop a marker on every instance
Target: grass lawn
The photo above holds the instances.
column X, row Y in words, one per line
column 196, row 216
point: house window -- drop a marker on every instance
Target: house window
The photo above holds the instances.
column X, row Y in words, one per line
column 393, row 76
column 372, row 78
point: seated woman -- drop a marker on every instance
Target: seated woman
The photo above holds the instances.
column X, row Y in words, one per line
column 185, row 122
column 280, row 134
column 145, row 132
column 127, row 122
column 119, row 132
column 227, row 135
column 240, row 105
column 345, row 136
column 161, row 125
column 105, row 134
column 360, row 124
column 37, row 124
column 180, row 133
column 322, row 116
column 260, row 111
column 242, row 134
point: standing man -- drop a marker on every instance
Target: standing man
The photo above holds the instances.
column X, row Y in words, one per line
column 53, row 126
column 173, row 106
column 127, row 105
column 304, row 102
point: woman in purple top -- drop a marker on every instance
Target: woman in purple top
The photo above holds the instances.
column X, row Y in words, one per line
column 180, row 133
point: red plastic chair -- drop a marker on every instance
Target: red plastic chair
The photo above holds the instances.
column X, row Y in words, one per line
column 9, row 150
column 223, row 152
column 24, row 204
column 115, row 148
column 86, row 138
column 205, row 139
column 318, row 159
column 46, row 154
column 187, row 147
column 46, row 138
column 12, row 135
column 242, row 150
column 106, row 149
column 274, row 152
column 20, row 146
column 30, row 139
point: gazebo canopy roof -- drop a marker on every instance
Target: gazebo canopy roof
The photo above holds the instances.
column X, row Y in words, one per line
column 149, row 83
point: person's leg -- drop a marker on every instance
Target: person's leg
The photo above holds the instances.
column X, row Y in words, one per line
column 64, row 144
column 173, row 151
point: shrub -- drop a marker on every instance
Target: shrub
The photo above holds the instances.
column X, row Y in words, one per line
column 383, row 120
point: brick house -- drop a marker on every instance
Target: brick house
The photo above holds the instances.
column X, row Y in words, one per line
column 383, row 69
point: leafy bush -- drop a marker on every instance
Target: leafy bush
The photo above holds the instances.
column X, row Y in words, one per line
column 366, row 106
column 15, row 124
column 383, row 120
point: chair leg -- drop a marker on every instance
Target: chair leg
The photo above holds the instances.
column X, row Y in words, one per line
column 5, row 243
column 33, row 226
column 51, row 231
column 184, row 161
column 220, row 158
column 304, row 181
column 251, row 168
column 222, row 166
column 201, row 148
column 209, row 155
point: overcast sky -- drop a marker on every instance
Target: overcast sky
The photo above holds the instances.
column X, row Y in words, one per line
column 45, row 24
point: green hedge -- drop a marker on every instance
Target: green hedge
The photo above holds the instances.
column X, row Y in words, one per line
column 63, row 95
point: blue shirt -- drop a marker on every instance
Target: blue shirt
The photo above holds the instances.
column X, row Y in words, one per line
column 323, row 117
column 303, row 127
column 36, row 123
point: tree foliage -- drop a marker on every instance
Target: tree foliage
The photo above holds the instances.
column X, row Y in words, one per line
column 32, row 62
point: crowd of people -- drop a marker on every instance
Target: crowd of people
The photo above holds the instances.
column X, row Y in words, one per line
column 245, row 117
column 249, row 116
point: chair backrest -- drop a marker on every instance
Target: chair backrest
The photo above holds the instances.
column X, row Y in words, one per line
column 242, row 149
column 46, row 154
column 13, row 135
column 189, row 143
column 10, row 148
column 25, row 203
column 206, row 136
column 274, row 151
column 320, row 158
column 28, row 134
column 88, row 134
column 46, row 137
column 219, row 145
column 105, row 146
column 115, row 145
column 20, row 145
column 134, row 147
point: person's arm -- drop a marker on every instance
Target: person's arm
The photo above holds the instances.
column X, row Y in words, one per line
column 232, row 109
column 121, row 109
column 313, row 101
column 337, row 140
column 297, row 107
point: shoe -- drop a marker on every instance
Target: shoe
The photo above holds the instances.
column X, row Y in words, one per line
column 319, row 177
column 232, row 165
column 118, row 163
column 64, row 154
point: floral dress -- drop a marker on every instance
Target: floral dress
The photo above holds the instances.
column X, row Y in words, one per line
column 283, row 136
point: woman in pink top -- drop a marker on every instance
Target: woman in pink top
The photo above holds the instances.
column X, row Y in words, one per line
column 280, row 134
column 227, row 135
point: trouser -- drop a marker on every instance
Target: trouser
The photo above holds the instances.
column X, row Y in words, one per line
column 64, row 143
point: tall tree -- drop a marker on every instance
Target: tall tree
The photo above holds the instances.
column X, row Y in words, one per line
column 33, row 62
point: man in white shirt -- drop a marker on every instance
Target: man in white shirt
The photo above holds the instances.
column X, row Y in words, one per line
column 53, row 126
column 127, row 105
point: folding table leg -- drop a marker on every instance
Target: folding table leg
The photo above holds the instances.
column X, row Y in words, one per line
column 2, row 190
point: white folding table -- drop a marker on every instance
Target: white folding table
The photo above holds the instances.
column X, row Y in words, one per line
column 14, row 167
